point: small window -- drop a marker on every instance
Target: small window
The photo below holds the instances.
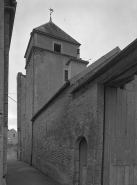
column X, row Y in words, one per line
column 78, row 51
column 57, row 47
column 66, row 75
column 13, row 135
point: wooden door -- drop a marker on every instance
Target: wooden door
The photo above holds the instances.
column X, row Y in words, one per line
column 120, row 136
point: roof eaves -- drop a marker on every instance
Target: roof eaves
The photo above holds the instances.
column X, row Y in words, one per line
column 104, row 66
column 95, row 65
column 53, row 36
column 92, row 74
column 12, row 9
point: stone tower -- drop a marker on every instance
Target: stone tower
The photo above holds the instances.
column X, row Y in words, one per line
column 52, row 58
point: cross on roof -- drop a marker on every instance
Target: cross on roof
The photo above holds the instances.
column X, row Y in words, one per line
column 51, row 11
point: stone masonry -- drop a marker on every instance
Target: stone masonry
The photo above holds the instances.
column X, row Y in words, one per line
column 57, row 132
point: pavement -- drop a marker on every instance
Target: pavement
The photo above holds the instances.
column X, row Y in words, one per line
column 20, row 173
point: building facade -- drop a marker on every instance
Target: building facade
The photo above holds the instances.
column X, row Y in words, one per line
column 79, row 126
column 12, row 136
column 7, row 13
column 52, row 57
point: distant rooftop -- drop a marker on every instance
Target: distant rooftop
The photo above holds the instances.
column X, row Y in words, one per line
column 53, row 30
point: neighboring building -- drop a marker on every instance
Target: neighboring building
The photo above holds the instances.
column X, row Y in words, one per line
column 12, row 136
column 7, row 13
column 83, row 131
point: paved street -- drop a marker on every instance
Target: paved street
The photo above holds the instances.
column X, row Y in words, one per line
column 20, row 173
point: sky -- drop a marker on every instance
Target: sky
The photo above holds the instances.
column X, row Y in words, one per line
column 99, row 25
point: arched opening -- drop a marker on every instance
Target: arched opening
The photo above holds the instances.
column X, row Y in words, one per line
column 82, row 161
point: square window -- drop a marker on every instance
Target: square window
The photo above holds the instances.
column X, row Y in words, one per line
column 57, row 47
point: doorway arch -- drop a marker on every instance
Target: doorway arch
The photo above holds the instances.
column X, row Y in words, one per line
column 80, row 164
column 83, row 161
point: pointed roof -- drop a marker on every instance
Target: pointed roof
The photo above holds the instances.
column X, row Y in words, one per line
column 53, row 30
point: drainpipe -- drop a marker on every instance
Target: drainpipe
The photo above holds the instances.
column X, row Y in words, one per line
column 103, row 145
column 33, row 104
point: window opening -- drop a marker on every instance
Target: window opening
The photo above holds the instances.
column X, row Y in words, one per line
column 57, row 47
column 78, row 51
column 83, row 161
column 66, row 75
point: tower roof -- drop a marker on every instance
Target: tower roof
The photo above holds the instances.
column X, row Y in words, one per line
column 53, row 30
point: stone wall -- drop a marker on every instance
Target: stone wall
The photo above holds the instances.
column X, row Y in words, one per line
column 57, row 132
column 44, row 76
column 6, row 72
column 48, row 76
column 21, row 113
column 29, row 108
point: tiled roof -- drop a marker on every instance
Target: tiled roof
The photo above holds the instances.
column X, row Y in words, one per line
column 53, row 30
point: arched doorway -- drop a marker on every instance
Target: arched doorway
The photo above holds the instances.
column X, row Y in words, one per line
column 83, row 161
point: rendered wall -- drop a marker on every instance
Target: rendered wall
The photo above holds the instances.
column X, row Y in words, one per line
column 29, row 108
column 120, row 146
column 48, row 76
column 57, row 132
column 21, row 115
column 75, row 68
column 46, row 42
column 25, row 106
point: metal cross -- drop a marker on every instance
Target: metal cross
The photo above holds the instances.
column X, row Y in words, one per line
column 51, row 11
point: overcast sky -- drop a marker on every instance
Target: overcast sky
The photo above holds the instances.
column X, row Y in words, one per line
column 99, row 25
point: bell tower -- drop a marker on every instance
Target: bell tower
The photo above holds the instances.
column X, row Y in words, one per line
column 53, row 58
